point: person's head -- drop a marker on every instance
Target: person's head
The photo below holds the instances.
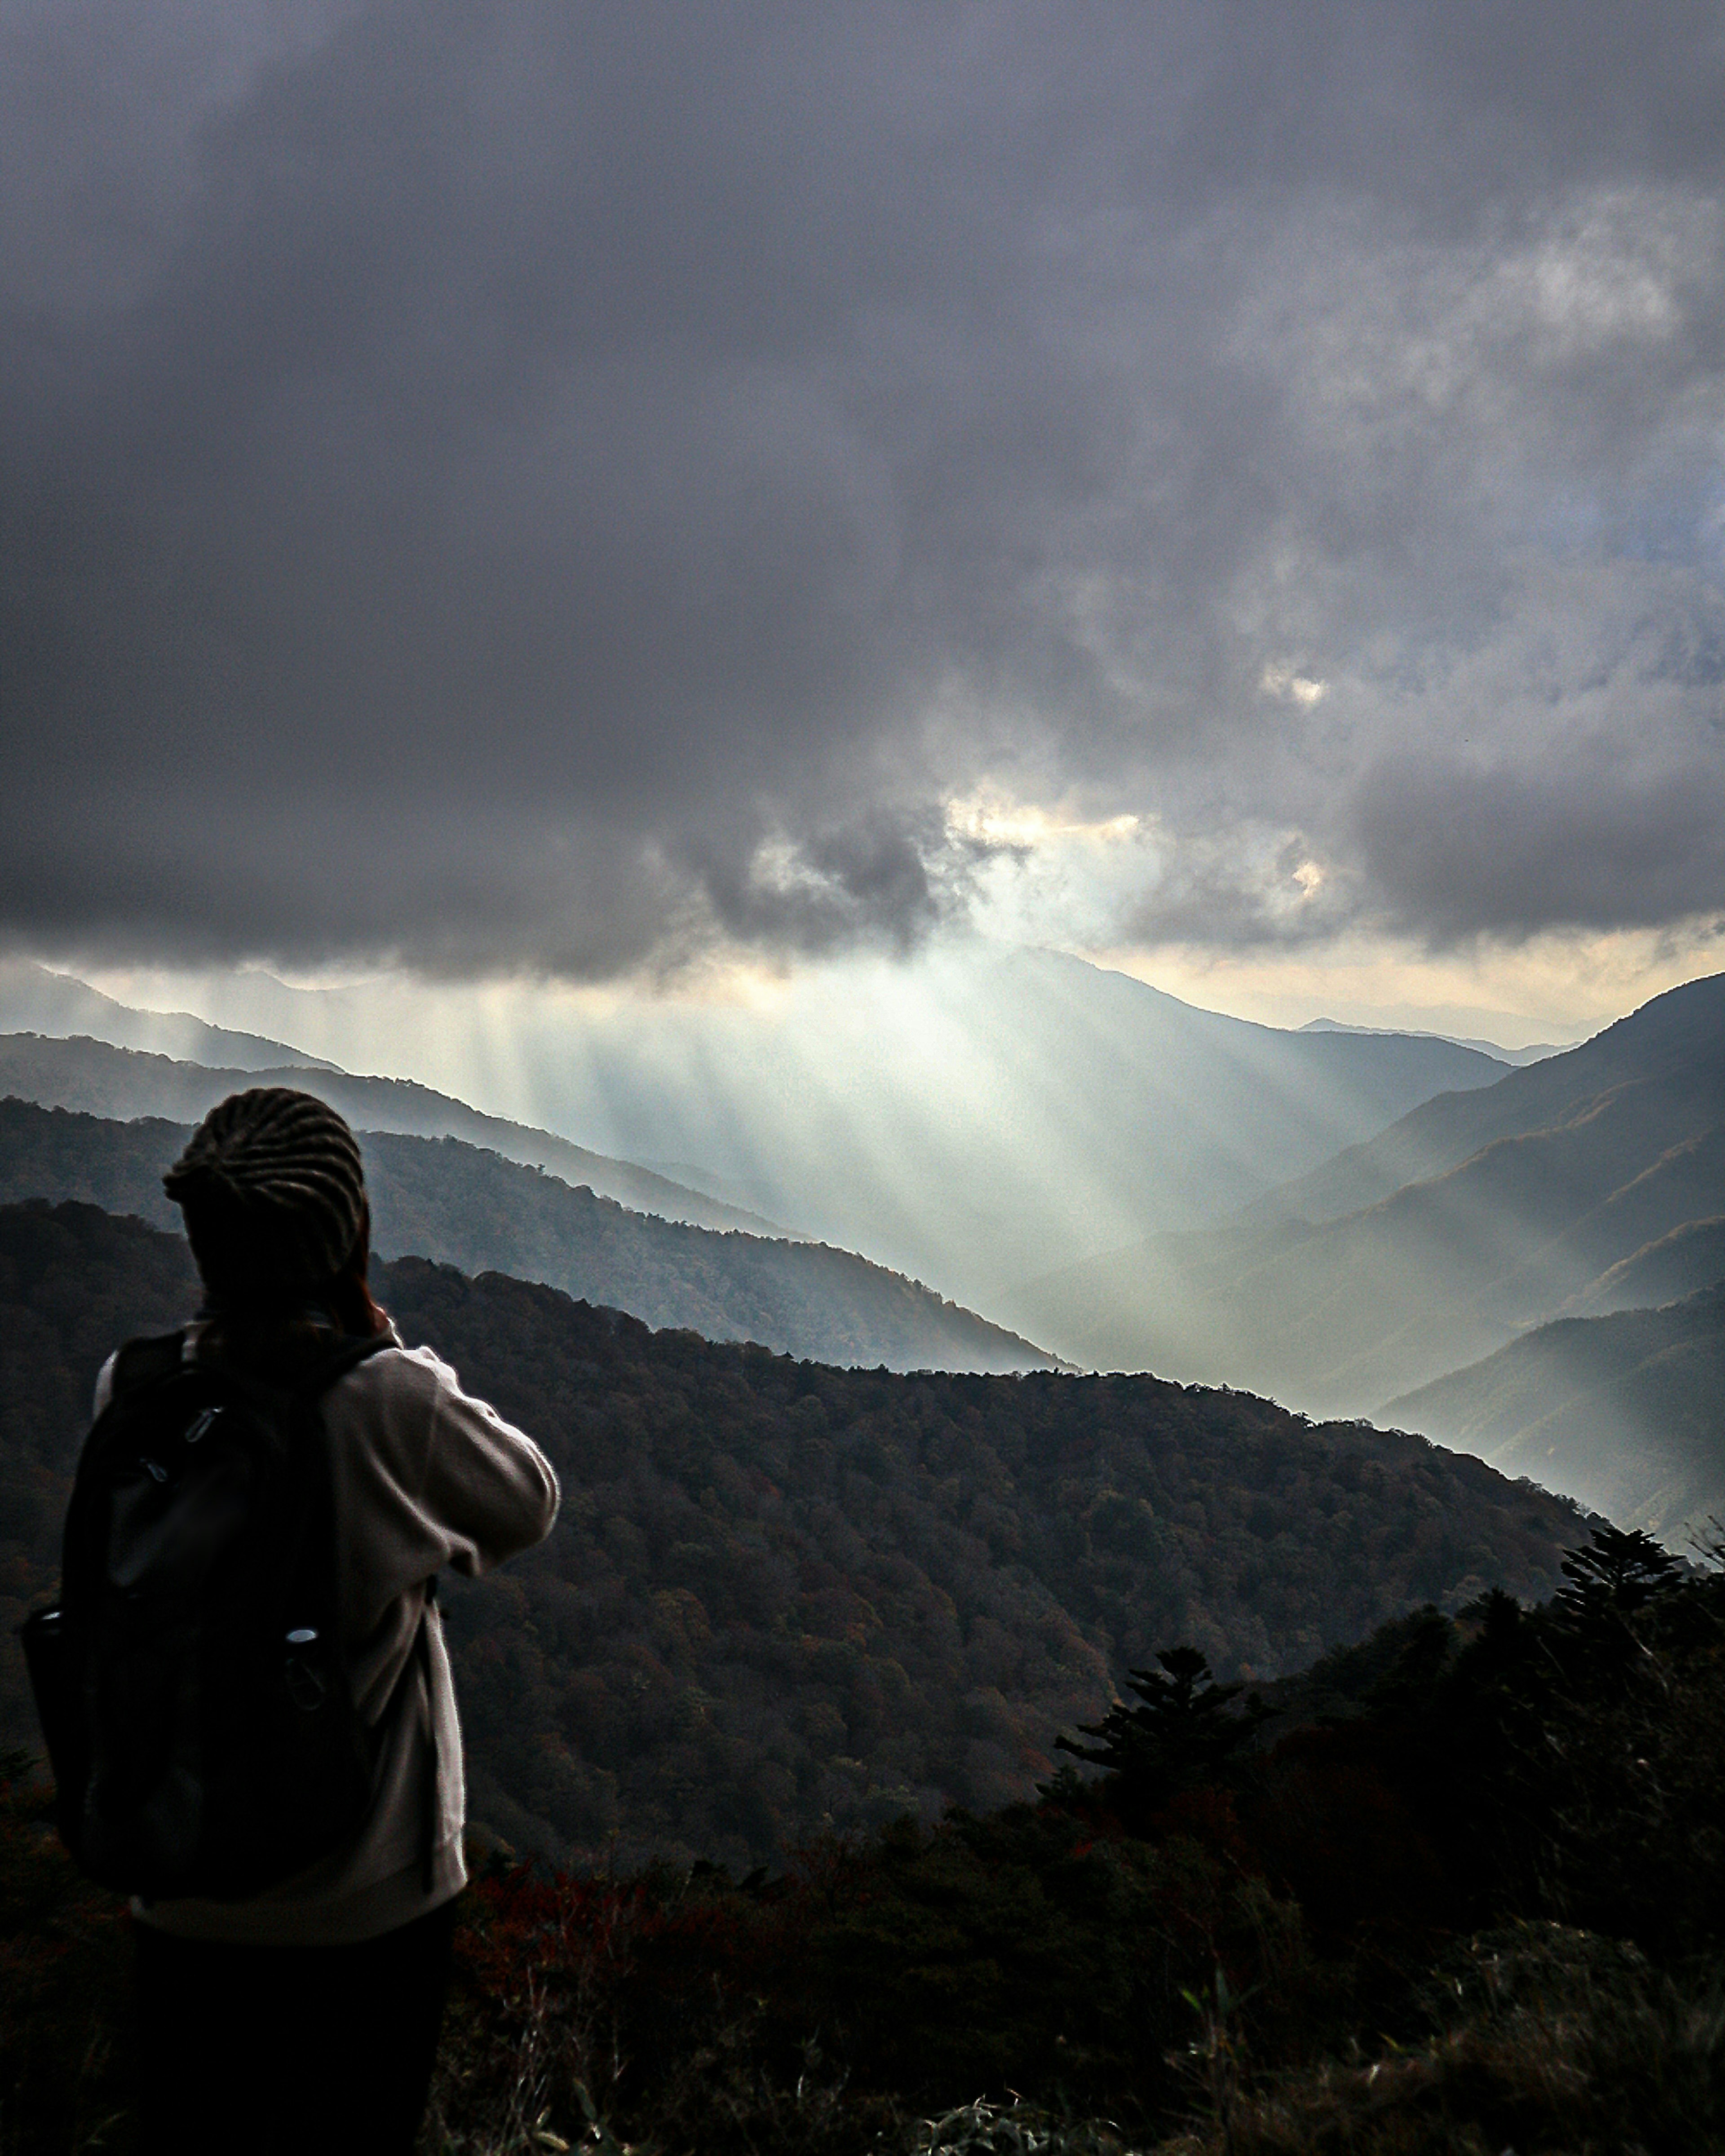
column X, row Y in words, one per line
column 274, row 1197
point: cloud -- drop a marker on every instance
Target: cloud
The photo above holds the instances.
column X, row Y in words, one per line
column 502, row 484
column 1458, row 852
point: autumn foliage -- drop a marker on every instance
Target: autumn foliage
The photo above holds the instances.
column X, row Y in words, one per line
column 1466, row 1880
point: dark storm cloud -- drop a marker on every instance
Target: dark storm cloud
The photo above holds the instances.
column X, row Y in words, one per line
column 499, row 482
column 1457, row 851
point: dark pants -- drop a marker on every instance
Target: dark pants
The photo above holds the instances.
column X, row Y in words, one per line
column 290, row 2048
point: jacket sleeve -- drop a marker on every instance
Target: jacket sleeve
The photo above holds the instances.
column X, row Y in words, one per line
column 489, row 1486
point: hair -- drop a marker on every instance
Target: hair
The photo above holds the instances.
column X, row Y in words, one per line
column 272, row 1190
column 351, row 1303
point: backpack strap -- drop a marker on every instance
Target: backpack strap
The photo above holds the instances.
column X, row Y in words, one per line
column 146, row 1362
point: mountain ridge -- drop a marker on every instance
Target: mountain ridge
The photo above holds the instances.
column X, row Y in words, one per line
column 35, row 1000
column 1619, row 1411
column 458, row 1203
column 96, row 1078
column 1678, row 1027
column 1665, row 1269
column 1335, row 1312
column 1511, row 1057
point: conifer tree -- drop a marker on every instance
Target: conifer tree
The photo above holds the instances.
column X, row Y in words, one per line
column 1182, row 1731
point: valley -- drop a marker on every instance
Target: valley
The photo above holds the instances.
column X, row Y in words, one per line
column 970, row 1118
column 1621, row 1411
column 1474, row 1217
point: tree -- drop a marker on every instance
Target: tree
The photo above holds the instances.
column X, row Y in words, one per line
column 1183, row 1730
column 1617, row 1574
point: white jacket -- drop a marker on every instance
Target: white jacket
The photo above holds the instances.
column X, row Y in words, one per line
column 424, row 1476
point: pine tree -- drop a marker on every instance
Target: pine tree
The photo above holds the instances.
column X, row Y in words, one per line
column 1618, row 1572
column 1183, row 1730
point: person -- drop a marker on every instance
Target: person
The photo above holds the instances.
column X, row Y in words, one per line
column 308, row 2016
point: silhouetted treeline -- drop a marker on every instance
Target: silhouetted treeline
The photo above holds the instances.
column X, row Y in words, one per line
column 1458, row 1889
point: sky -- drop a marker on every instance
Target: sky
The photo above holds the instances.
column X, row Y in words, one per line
column 640, row 496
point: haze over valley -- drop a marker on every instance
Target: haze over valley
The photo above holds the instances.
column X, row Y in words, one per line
column 1474, row 1216
column 1456, row 1200
column 965, row 1118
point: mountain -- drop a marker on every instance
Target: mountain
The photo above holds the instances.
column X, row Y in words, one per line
column 1664, row 1271
column 1474, row 1217
column 1622, row 1412
column 972, row 1116
column 445, row 1200
column 1513, row 1057
column 103, row 1080
column 782, row 1597
column 1674, row 1046
column 32, row 999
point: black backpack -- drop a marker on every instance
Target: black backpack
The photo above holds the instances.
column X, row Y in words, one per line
column 193, row 1686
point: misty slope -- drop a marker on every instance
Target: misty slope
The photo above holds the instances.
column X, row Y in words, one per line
column 1622, row 1412
column 1512, row 1058
column 971, row 1116
column 782, row 1597
column 1572, row 1167
column 1689, row 1258
column 32, row 999
column 1676, row 1038
column 103, row 1080
column 442, row 1198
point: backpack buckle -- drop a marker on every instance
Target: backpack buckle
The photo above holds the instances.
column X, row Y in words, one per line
column 307, row 1686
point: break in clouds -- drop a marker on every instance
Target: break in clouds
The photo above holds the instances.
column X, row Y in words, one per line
column 499, row 482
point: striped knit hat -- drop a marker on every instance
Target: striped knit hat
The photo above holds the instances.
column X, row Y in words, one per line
column 273, row 1194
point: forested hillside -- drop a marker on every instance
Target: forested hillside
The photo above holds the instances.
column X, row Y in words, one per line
column 441, row 1198
column 782, row 1596
column 1622, row 1412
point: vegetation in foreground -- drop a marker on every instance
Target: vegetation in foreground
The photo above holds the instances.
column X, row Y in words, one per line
column 1459, row 1889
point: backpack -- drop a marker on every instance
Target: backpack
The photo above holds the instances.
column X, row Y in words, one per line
column 193, row 1686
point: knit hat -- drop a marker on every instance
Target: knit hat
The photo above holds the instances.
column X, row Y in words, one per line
column 273, row 1194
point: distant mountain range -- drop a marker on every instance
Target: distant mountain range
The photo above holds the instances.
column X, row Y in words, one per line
column 973, row 1116
column 1586, row 1184
column 448, row 1200
column 1622, row 1412
column 32, row 999
column 104, row 1080
column 1671, row 1050
column 1514, row 1057
column 1473, row 1217
column 783, row 1600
